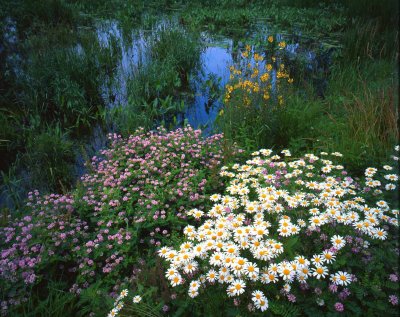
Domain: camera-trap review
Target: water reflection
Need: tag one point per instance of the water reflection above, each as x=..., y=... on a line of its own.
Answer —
x=131, y=47
x=215, y=62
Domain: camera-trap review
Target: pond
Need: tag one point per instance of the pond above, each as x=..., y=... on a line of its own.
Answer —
x=218, y=53
x=306, y=57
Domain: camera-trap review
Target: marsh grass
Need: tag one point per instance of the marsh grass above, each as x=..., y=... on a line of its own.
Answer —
x=57, y=84
x=156, y=85
x=358, y=116
x=363, y=110
x=63, y=84
x=369, y=40
x=10, y=188
x=162, y=111
x=54, y=300
x=178, y=48
x=56, y=96
x=49, y=159
x=156, y=79
x=251, y=128
x=174, y=54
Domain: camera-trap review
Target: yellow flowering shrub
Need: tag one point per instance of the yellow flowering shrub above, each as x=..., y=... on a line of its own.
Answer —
x=254, y=97
x=254, y=80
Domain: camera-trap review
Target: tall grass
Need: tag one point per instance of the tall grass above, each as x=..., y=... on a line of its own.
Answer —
x=54, y=301
x=358, y=117
x=363, y=105
x=174, y=54
x=177, y=47
x=62, y=84
x=32, y=14
x=369, y=40
x=49, y=160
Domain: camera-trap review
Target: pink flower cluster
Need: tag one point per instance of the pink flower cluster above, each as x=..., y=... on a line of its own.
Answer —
x=45, y=235
x=151, y=172
x=137, y=188
x=136, y=193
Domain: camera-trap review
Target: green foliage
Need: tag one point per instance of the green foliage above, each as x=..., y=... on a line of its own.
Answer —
x=10, y=187
x=284, y=310
x=95, y=300
x=49, y=158
x=174, y=55
x=358, y=116
x=62, y=85
x=28, y=14
x=155, y=80
x=130, y=117
x=178, y=48
x=55, y=301
x=362, y=107
x=369, y=40
x=235, y=18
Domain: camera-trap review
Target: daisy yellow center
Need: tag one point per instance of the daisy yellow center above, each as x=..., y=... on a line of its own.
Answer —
x=286, y=271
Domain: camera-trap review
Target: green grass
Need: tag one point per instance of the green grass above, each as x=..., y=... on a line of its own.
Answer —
x=49, y=159
x=358, y=116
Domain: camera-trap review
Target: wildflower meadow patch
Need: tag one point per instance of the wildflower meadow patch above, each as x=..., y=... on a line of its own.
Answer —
x=133, y=199
x=159, y=216
x=298, y=231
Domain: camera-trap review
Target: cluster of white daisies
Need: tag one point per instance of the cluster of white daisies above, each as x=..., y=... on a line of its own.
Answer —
x=119, y=302
x=269, y=203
